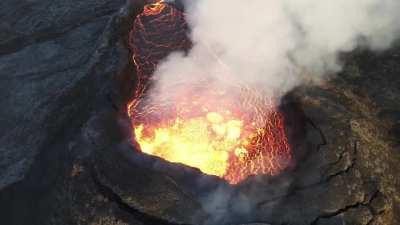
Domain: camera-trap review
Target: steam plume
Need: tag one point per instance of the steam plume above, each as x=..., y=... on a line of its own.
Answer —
x=277, y=44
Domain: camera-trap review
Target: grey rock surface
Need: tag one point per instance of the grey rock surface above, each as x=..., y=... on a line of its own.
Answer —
x=47, y=48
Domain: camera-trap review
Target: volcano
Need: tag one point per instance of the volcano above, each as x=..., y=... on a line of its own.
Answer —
x=87, y=138
x=232, y=131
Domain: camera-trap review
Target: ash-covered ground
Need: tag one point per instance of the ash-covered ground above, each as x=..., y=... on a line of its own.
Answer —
x=66, y=75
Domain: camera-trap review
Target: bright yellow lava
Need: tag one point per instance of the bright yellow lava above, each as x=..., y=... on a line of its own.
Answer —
x=201, y=142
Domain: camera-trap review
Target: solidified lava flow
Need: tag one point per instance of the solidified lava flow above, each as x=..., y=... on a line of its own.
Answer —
x=232, y=131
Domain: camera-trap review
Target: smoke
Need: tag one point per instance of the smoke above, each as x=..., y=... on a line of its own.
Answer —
x=276, y=45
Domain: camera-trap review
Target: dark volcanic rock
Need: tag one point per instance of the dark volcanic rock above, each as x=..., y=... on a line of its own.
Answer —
x=66, y=75
x=56, y=58
x=48, y=51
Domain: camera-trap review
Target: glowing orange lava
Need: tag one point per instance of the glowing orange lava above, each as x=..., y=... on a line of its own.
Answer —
x=154, y=8
x=232, y=132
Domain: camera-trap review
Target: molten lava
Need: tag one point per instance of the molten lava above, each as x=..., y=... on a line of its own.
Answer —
x=232, y=132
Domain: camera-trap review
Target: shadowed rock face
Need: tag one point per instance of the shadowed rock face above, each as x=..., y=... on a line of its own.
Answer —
x=49, y=51
x=66, y=76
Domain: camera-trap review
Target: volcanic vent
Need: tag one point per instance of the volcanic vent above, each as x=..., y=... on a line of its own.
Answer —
x=221, y=126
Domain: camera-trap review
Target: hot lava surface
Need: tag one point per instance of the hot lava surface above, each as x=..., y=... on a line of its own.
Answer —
x=233, y=131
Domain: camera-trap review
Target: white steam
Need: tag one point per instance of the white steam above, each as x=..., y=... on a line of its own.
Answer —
x=277, y=44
